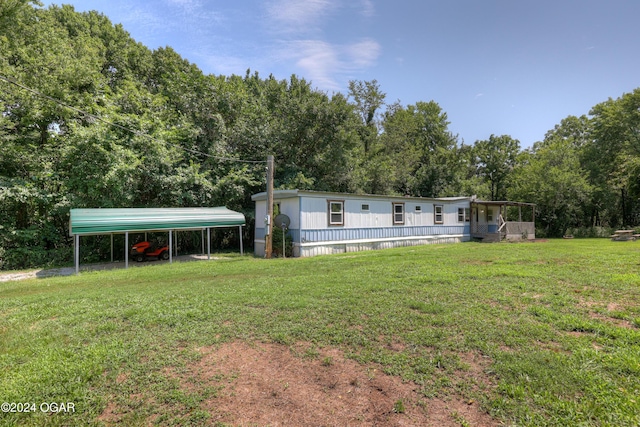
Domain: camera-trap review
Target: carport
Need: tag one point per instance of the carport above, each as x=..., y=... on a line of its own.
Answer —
x=91, y=222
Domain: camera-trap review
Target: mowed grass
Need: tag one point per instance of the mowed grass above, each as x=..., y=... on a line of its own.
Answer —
x=557, y=324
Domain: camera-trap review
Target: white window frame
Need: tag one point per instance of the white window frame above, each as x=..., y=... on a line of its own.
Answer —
x=464, y=215
x=397, y=220
x=418, y=208
x=331, y=213
x=438, y=214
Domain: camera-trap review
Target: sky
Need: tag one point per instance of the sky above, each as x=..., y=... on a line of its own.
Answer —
x=503, y=67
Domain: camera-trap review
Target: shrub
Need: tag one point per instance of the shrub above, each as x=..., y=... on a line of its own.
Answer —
x=277, y=243
x=590, y=232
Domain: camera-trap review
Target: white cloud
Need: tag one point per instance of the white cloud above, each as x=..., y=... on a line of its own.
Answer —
x=302, y=27
x=226, y=64
x=363, y=54
x=297, y=16
x=316, y=60
x=194, y=14
x=327, y=64
x=306, y=16
x=368, y=9
x=149, y=23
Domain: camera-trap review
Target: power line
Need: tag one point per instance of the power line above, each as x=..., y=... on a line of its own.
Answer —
x=133, y=131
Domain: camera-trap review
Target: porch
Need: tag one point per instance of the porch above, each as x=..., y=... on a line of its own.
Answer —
x=491, y=221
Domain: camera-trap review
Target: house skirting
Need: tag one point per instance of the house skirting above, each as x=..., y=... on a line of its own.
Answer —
x=308, y=249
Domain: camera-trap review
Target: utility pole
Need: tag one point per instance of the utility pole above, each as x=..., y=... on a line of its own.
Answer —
x=268, y=238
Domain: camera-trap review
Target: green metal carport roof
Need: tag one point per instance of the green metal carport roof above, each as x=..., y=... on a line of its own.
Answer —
x=85, y=222
x=105, y=221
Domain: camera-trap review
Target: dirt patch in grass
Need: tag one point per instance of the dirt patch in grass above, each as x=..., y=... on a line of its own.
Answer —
x=392, y=343
x=109, y=414
x=612, y=306
x=273, y=384
x=611, y=316
x=621, y=323
x=476, y=375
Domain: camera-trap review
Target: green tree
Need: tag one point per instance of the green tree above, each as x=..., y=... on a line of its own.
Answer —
x=368, y=99
x=550, y=175
x=470, y=183
x=495, y=159
x=613, y=155
x=41, y=53
x=422, y=151
x=9, y=10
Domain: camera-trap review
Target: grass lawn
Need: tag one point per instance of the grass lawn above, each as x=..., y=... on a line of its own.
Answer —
x=558, y=323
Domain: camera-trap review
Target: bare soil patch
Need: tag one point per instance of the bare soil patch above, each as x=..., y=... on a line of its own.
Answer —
x=275, y=385
x=609, y=316
x=621, y=323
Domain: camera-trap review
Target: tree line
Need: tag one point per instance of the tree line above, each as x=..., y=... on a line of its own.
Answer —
x=92, y=118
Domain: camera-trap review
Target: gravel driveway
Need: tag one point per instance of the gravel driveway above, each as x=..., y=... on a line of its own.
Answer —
x=68, y=271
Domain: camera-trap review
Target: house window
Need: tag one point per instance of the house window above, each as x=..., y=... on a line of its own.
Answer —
x=364, y=207
x=438, y=217
x=398, y=213
x=336, y=212
x=418, y=208
x=463, y=215
x=489, y=215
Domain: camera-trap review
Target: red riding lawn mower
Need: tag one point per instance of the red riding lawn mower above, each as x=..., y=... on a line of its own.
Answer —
x=144, y=250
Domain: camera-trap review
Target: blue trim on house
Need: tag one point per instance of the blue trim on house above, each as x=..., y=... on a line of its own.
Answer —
x=493, y=228
x=337, y=234
x=294, y=233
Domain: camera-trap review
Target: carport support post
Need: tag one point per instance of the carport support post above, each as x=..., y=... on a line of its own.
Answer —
x=126, y=249
x=241, y=251
x=111, y=247
x=170, y=246
x=77, y=252
x=208, y=243
x=202, y=239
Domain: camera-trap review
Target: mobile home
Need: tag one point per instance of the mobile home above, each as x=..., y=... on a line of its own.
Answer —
x=327, y=223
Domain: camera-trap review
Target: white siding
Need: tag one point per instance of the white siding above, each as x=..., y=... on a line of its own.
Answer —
x=424, y=217
x=261, y=212
x=315, y=212
x=258, y=248
x=291, y=208
x=258, y=243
